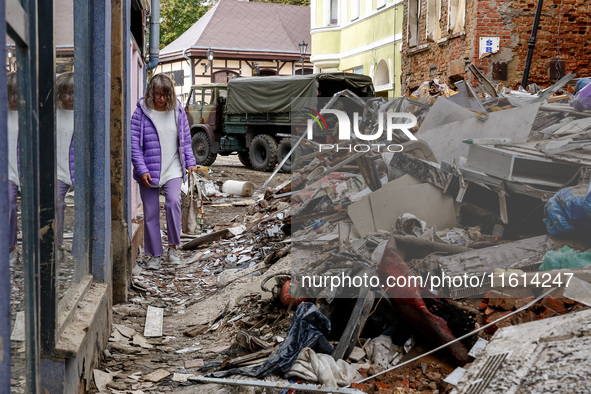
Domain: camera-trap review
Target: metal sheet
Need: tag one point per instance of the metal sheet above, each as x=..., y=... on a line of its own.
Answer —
x=446, y=140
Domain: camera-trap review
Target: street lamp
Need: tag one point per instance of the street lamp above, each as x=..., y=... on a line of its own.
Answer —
x=209, y=55
x=303, y=45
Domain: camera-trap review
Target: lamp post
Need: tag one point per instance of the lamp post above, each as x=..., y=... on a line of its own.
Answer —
x=209, y=55
x=303, y=45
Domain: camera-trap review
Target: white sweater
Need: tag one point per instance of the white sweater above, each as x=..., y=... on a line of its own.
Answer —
x=13, y=147
x=64, y=132
x=165, y=124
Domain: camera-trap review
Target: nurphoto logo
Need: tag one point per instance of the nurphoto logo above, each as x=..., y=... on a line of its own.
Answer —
x=402, y=121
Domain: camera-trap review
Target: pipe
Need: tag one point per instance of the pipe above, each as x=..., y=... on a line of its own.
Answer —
x=531, y=45
x=190, y=61
x=154, y=35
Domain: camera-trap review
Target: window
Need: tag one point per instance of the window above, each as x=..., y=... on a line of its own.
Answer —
x=414, y=10
x=223, y=76
x=334, y=12
x=456, y=16
x=433, y=17
x=357, y=70
x=355, y=9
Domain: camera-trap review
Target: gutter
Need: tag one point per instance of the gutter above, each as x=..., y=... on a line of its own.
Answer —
x=154, y=35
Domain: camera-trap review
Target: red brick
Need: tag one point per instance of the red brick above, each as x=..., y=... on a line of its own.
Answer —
x=506, y=304
x=555, y=304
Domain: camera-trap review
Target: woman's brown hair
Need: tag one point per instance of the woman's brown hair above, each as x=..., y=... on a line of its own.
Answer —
x=63, y=84
x=163, y=82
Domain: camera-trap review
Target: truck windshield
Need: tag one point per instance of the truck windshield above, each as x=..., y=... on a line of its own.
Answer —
x=203, y=97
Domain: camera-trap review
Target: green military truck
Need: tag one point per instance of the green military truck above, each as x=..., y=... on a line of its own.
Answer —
x=253, y=116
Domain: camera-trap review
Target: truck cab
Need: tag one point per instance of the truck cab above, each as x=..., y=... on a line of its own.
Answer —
x=204, y=109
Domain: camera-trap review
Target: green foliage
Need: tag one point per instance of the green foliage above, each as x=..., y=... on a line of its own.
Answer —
x=177, y=16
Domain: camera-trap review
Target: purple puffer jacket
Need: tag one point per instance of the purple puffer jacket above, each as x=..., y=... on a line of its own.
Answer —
x=71, y=160
x=145, y=144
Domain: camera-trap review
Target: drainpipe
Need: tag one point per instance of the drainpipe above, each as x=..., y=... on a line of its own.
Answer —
x=190, y=61
x=531, y=45
x=154, y=35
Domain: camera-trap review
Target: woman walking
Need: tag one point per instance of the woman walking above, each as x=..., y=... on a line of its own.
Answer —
x=161, y=152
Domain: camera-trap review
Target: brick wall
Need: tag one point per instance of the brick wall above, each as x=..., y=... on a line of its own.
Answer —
x=443, y=58
x=449, y=57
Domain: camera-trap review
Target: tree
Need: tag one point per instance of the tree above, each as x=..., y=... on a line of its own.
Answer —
x=178, y=16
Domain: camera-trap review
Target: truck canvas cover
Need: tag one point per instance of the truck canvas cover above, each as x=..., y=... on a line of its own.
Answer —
x=254, y=95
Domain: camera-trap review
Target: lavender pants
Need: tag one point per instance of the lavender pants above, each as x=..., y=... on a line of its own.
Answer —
x=12, y=190
x=172, y=207
x=62, y=189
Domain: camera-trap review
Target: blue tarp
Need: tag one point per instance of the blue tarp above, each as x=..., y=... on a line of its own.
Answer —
x=569, y=211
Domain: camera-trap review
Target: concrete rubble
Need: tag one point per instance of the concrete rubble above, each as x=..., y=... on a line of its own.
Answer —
x=464, y=201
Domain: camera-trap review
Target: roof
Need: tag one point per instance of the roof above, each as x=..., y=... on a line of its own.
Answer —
x=242, y=26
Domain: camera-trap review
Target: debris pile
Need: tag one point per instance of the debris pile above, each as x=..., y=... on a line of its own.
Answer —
x=377, y=270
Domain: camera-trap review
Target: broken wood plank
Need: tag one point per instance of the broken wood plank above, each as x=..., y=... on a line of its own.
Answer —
x=18, y=333
x=195, y=363
x=193, y=332
x=355, y=325
x=154, y=320
x=156, y=376
x=249, y=357
x=207, y=238
x=243, y=203
x=558, y=98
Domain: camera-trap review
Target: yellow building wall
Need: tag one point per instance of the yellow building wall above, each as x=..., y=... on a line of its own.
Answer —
x=363, y=42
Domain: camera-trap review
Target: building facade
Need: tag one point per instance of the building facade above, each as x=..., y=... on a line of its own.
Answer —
x=443, y=38
x=56, y=302
x=242, y=39
x=359, y=36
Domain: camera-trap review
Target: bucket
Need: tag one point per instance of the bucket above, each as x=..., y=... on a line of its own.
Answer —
x=238, y=188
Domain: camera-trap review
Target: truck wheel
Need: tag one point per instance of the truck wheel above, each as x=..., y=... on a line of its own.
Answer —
x=263, y=153
x=244, y=158
x=282, y=150
x=202, y=149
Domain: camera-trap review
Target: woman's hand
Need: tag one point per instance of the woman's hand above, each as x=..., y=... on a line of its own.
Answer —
x=191, y=169
x=146, y=179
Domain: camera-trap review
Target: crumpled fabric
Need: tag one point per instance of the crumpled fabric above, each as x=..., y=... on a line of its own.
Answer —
x=323, y=369
x=582, y=98
x=308, y=329
x=382, y=353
